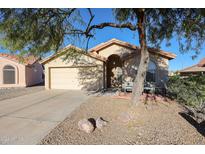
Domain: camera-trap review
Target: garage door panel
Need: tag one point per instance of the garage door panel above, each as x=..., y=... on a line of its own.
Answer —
x=65, y=78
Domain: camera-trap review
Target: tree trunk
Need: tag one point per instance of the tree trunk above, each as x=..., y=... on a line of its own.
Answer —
x=138, y=86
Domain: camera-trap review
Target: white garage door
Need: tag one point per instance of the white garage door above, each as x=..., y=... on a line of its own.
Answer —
x=64, y=78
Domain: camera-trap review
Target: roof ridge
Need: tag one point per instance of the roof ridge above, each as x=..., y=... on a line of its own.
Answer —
x=188, y=68
x=28, y=60
x=93, y=55
x=201, y=62
x=103, y=45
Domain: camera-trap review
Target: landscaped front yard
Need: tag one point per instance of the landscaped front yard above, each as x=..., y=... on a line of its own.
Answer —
x=157, y=122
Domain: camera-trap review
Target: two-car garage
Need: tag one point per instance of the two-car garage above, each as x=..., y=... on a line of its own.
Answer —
x=87, y=73
x=64, y=78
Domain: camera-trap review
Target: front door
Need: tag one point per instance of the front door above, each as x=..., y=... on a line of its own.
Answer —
x=114, y=67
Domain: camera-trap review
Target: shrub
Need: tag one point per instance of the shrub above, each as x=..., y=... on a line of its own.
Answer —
x=188, y=90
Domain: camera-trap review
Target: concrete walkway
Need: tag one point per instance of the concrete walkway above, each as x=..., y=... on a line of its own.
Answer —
x=27, y=119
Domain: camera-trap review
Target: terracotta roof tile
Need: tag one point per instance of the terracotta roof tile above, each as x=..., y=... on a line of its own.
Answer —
x=128, y=45
x=25, y=60
x=201, y=63
x=195, y=68
x=192, y=69
x=93, y=55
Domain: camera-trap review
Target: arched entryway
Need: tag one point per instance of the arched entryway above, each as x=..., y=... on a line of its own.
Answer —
x=114, y=69
x=9, y=74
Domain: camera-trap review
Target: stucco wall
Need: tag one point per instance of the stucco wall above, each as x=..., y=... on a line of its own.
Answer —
x=34, y=74
x=134, y=60
x=90, y=77
x=161, y=72
x=115, y=49
x=19, y=73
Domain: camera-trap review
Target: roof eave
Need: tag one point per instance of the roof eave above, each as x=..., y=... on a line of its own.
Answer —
x=44, y=61
x=100, y=47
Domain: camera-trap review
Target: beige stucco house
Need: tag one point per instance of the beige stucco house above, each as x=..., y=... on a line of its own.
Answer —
x=101, y=66
x=19, y=72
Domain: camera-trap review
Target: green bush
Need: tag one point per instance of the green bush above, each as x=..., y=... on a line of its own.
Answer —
x=187, y=90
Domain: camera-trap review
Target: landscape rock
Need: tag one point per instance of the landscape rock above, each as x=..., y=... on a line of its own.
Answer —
x=100, y=122
x=162, y=126
x=86, y=126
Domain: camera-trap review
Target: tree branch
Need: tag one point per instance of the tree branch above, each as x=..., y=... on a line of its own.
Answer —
x=109, y=24
x=89, y=28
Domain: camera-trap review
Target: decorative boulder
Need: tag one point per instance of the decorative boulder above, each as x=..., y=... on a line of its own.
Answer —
x=86, y=126
x=100, y=123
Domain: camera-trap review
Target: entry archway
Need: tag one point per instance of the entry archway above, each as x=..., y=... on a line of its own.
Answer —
x=114, y=63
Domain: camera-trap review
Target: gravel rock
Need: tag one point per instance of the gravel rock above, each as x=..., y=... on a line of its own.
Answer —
x=86, y=126
x=125, y=117
x=100, y=123
x=161, y=125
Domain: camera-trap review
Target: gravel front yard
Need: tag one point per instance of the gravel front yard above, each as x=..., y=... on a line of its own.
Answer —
x=6, y=93
x=151, y=123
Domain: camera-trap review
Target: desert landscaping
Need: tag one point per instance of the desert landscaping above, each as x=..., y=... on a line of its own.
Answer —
x=102, y=76
x=154, y=121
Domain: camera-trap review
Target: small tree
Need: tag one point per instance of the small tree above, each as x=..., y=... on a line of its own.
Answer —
x=40, y=30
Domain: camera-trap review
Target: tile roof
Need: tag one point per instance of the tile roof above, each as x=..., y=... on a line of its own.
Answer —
x=101, y=46
x=24, y=60
x=200, y=67
x=93, y=51
x=201, y=63
x=92, y=55
x=194, y=68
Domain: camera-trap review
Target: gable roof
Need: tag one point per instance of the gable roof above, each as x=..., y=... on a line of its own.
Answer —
x=101, y=46
x=23, y=60
x=192, y=69
x=195, y=68
x=64, y=50
x=201, y=63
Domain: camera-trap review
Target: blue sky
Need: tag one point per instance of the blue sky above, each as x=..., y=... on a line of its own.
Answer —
x=103, y=35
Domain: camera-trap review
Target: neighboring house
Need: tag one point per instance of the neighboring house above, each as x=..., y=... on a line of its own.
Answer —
x=172, y=73
x=99, y=68
x=19, y=72
x=195, y=69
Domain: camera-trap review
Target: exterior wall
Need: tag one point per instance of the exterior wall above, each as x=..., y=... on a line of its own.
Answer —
x=130, y=67
x=34, y=74
x=19, y=73
x=161, y=63
x=90, y=77
x=115, y=49
x=130, y=64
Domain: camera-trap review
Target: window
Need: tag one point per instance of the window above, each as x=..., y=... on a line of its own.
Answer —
x=9, y=74
x=151, y=72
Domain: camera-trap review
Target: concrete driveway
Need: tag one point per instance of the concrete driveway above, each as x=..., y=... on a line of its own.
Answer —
x=27, y=119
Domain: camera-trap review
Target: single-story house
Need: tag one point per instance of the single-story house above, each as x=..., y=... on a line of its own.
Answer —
x=101, y=66
x=19, y=72
x=195, y=69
